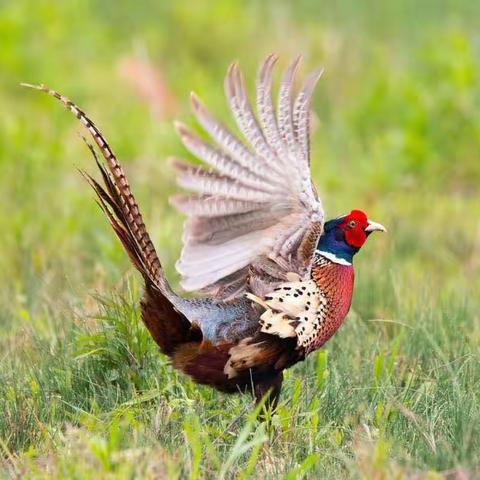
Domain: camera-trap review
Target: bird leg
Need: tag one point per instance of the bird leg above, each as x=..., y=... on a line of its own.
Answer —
x=271, y=389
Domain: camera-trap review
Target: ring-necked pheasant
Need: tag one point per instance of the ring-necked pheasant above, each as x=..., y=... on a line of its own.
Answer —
x=276, y=281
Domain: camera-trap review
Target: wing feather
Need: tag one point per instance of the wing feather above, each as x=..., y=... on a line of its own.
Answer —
x=217, y=230
x=285, y=114
x=256, y=205
x=301, y=114
x=219, y=160
x=248, y=124
x=209, y=206
x=226, y=140
x=266, y=111
x=199, y=180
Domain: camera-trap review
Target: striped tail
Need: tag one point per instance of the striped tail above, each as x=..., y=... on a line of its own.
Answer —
x=118, y=202
x=163, y=312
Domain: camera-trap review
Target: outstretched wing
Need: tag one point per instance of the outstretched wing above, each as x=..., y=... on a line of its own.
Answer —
x=256, y=203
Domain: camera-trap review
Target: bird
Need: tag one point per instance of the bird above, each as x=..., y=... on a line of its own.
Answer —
x=273, y=279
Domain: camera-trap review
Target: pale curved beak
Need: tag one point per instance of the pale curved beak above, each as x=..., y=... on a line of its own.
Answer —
x=375, y=227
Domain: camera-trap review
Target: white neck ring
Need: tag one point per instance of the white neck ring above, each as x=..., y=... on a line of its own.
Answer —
x=331, y=256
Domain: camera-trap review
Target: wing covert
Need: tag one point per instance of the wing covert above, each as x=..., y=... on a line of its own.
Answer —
x=253, y=202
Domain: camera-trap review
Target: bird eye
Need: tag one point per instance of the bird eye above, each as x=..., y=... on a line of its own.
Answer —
x=352, y=224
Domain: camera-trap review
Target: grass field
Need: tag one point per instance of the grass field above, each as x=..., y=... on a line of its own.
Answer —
x=83, y=391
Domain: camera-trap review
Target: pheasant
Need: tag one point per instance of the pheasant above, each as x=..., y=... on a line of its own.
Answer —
x=274, y=280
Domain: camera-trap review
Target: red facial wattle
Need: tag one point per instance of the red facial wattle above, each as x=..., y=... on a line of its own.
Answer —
x=353, y=226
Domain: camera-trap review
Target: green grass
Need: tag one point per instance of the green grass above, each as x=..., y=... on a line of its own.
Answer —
x=83, y=392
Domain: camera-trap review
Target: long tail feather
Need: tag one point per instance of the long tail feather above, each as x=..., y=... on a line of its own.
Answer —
x=118, y=203
x=162, y=309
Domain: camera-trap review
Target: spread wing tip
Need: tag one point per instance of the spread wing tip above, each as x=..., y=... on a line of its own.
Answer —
x=247, y=180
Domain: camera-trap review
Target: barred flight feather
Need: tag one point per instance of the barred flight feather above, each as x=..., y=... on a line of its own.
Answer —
x=246, y=121
x=208, y=206
x=285, y=120
x=209, y=255
x=219, y=160
x=203, y=181
x=266, y=112
x=258, y=203
x=301, y=114
x=226, y=140
x=217, y=230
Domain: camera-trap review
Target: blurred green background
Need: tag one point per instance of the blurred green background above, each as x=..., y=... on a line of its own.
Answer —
x=396, y=133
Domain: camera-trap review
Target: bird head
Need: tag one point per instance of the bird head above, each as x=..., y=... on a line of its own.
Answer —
x=343, y=237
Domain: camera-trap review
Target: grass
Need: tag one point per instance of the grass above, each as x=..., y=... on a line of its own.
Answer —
x=83, y=392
